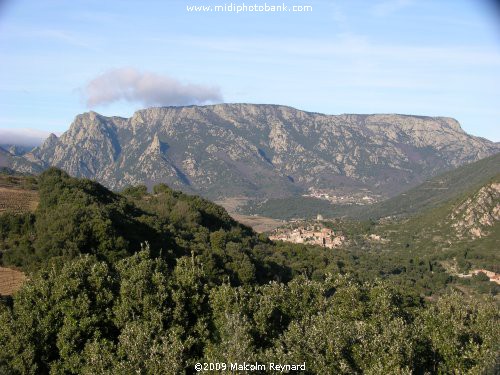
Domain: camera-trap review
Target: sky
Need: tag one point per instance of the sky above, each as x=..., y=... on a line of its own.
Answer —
x=59, y=58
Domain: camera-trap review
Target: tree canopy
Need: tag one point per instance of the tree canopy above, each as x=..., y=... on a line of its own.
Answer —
x=156, y=282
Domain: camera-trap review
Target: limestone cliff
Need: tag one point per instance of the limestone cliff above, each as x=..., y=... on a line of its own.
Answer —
x=260, y=150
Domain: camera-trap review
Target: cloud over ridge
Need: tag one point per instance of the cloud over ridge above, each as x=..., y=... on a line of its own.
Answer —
x=23, y=136
x=147, y=88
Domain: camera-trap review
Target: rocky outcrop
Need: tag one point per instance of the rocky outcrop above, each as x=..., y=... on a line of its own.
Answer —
x=18, y=163
x=477, y=214
x=260, y=150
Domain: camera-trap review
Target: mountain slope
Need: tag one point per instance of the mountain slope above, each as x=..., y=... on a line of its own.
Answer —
x=78, y=216
x=475, y=217
x=261, y=150
x=467, y=217
x=466, y=228
x=432, y=193
x=435, y=191
x=18, y=163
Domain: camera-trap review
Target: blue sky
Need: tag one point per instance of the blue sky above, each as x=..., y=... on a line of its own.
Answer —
x=422, y=57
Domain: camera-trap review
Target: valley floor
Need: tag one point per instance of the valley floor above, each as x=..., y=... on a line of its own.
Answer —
x=258, y=223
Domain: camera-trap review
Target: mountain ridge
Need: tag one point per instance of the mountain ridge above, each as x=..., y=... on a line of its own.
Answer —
x=18, y=163
x=260, y=150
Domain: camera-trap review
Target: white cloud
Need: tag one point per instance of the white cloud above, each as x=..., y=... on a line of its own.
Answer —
x=147, y=88
x=23, y=137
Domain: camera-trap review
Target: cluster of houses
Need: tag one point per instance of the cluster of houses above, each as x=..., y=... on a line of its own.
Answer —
x=310, y=234
x=493, y=276
x=357, y=198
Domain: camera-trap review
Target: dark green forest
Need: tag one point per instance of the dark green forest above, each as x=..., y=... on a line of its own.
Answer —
x=154, y=282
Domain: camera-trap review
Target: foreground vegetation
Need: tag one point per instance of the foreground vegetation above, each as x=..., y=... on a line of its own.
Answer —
x=156, y=282
x=139, y=315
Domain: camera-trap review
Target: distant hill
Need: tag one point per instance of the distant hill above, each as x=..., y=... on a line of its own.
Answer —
x=478, y=215
x=431, y=193
x=465, y=229
x=435, y=191
x=78, y=216
x=264, y=151
x=17, y=150
x=18, y=163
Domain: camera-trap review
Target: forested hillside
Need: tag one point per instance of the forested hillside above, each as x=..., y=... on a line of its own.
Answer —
x=435, y=191
x=156, y=282
x=430, y=194
x=78, y=216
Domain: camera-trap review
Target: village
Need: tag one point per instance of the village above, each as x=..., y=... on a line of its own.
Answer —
x=492, y=276
x=310, y=233
x=363, y=197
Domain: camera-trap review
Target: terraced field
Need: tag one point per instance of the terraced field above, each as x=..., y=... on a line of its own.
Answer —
x=10, y=281
x=17, y=200
x=17, y=194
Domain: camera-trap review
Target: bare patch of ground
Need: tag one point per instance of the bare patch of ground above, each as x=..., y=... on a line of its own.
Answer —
x=10, y=281
x=257, y=223
x=17, y=200
x=231, y=204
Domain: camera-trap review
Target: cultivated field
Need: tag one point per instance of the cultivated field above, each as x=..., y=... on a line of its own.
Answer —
x=257, y=223
x=17, y=200
x=10, y=281
x=17, y=194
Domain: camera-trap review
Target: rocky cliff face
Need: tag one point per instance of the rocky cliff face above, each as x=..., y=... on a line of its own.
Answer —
x=260, y=150
x=476, y=216
x=14, y=162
